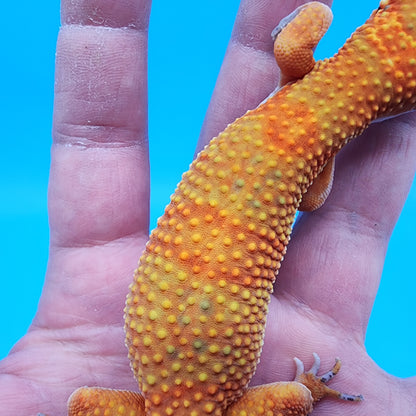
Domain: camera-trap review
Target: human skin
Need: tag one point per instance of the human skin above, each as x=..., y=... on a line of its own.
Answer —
x=98, y=206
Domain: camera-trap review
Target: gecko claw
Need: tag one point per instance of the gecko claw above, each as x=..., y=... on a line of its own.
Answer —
x=317, y=384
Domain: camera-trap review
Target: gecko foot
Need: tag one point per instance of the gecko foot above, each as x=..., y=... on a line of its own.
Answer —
x=317, y=384
x=296, y=37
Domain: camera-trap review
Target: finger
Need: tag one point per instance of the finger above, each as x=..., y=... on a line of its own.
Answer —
x=335, y=260
x=99, y=178
x=99, y=171
x=249, y=72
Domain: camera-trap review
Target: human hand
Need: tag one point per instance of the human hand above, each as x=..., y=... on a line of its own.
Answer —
x=99, y=221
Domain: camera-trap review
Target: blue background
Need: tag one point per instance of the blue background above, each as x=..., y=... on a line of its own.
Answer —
x=28, y=34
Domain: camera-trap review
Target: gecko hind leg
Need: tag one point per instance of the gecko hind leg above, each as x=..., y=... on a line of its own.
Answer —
x=96, y=401
x=317, y=384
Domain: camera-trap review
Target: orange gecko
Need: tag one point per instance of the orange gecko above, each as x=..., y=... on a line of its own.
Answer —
x=196, y=312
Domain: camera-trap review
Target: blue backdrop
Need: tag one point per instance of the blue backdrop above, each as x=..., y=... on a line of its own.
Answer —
x=29, y=31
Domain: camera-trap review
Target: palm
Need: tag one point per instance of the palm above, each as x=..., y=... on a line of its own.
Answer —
x=99, y=220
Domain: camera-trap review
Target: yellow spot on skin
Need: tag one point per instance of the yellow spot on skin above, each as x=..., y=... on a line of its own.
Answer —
x=181, y=276
x=212, y=333
x=221, y=258
x=234, y=306
x=158, y=358
x=153, y=315
x=194, y=222
x=252, y=247
x=229, y=332
x=151, y=380
x=208, y=289
x=161, y=333
x=196, y=238
x=213, y=349
x=219, y=318
x=147, y=341
x=144, y=359
x=227, y=241
x=245, y=294
x=140, y=311
x=237, y=255
x=176, y=367
x=191, y=299
x=203, y=358
x=203, y=377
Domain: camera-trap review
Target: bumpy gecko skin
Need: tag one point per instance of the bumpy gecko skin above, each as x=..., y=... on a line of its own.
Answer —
x=196, y=311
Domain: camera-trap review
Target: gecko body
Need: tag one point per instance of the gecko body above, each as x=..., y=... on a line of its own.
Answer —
x=196, y=311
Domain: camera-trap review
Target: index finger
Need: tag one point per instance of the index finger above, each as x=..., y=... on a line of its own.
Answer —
x=99, y=171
